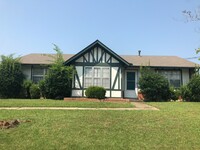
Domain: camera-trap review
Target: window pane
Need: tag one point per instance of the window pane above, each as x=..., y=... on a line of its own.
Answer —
x=88, y=71
x=175, y=83
x=174, y=77
x=97, y=81
x=106, y=72
x=97, y=72
x=106, y=82
x=130, y=75
x=38, y=71
x=88, y=82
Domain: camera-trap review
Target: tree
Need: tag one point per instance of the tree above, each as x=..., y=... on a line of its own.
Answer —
x=191, y=17
x=58, y=81
x=154, y=86
x=11, y=77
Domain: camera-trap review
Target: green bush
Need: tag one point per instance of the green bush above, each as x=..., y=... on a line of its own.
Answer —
x=154, y=86
x=185, y=93
x=42, y=88
x=26, y=88
x=58, y=82
x=174, y=93
x=11, y=77
x=194, y=89
x=95, y=92
x=35, y=91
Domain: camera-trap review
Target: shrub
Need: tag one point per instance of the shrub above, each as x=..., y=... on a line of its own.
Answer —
x=26, y=88
x=95, y=92
x=58, y=82
x=194, y=89
x=174, y=93
x=42, y=88
x=11, y=77
x=154, y=86
x=185, y=93
x=35, y=91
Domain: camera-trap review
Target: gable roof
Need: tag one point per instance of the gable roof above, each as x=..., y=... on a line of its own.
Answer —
x=153, y=61
x=128, y=60
x=97, y=43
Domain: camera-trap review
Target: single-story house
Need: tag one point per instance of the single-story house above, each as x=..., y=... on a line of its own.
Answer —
x=119, y=74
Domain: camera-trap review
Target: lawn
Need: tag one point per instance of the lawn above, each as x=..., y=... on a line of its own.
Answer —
x=175, y=126
x=60, y=103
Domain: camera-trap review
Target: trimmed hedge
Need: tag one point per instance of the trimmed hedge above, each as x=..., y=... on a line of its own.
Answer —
x=95, y=92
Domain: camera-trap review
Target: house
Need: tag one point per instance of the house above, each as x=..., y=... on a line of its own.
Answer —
x=119, y=74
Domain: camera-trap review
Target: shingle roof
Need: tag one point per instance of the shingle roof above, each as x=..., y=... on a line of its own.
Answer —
x=43, y=59
x=153, y=61
x=158, y=61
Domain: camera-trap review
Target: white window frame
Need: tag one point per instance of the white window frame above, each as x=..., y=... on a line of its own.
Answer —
x=93, y=77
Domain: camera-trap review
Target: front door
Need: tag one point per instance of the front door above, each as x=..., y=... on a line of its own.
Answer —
x=130, y=84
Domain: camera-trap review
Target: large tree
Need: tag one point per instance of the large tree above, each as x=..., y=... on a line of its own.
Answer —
x=11, y=77
x=58, y=81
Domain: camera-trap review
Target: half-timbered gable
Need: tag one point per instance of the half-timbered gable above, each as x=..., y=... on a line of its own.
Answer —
x=97, y=65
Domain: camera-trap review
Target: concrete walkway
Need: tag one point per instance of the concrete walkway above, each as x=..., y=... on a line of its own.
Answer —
x=143, y=106
x=138, y=106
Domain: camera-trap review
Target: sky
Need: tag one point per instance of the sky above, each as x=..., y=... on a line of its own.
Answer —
x=156, y=27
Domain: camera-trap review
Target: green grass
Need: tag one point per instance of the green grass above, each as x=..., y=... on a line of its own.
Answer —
x=60, y=103
x=175, y=126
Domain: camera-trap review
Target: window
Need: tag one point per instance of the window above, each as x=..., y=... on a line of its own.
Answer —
x=38, y=74
x=88, y=76
x=97, y=76
x=174, y=77
x=106, y=77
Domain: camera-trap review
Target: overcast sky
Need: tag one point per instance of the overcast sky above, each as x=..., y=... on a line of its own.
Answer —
x=157, y=27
